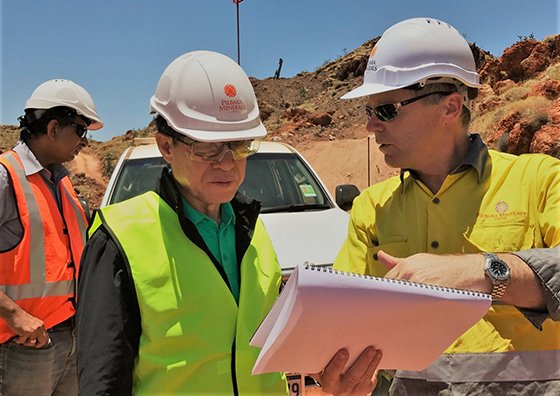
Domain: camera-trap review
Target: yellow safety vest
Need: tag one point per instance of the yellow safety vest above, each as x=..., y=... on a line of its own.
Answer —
x=195, y=338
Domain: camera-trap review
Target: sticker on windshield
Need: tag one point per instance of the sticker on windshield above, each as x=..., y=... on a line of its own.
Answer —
x=307, y=190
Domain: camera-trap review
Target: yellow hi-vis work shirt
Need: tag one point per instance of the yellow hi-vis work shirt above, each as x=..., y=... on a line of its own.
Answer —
x=514, y=204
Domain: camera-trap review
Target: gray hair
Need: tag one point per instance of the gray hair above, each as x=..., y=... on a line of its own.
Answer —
x=450, y=85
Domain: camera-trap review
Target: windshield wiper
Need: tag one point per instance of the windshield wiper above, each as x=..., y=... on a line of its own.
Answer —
x=295, y=208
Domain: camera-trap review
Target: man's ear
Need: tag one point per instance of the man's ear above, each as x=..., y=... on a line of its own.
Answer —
x=453, y=106
x=164, y=143
x=52, y=128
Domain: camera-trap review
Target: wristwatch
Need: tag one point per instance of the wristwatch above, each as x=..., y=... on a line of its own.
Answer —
x=499, y=273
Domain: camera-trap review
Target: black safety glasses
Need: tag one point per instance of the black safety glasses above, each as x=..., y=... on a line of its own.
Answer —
x=388, y=111
x=81, y=130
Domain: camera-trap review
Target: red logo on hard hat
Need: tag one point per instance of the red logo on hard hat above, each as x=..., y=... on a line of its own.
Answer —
x=230, y=90
x=373, y=51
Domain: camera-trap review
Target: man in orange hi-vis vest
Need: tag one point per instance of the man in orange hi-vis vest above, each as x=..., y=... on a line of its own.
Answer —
x=43, y=233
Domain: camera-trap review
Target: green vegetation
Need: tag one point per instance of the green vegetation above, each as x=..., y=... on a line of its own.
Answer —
x=531, y=36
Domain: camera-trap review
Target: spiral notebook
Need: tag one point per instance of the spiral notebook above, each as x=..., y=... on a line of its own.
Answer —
x=321, y=310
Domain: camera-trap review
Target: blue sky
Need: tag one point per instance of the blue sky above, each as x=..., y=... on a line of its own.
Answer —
x=118, y=49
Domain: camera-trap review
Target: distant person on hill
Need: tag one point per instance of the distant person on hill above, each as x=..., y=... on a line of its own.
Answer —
x=468, y=207
x=277, y=72
x=43, y=233
x=175, y=282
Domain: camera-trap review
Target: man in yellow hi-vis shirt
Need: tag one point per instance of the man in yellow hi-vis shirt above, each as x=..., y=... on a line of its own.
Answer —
x=454, y=200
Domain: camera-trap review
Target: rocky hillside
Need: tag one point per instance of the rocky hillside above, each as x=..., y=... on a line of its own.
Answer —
x=518, y=110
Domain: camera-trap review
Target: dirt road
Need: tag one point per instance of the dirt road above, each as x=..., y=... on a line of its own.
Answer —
x=345, y=162
x=90, y=165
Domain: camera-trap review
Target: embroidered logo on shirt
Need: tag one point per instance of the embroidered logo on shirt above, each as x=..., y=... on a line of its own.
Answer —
x=502, y=207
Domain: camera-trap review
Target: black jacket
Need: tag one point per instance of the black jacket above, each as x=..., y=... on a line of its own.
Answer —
x=108, y=318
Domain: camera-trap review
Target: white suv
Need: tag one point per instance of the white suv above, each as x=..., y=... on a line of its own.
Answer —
x=303, y=221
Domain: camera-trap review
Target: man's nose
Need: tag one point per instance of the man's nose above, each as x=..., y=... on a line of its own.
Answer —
x=374, y=125
x=227, y=162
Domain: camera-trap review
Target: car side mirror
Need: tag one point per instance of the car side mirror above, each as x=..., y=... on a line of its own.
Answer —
x=345, y=194
x=85, y=205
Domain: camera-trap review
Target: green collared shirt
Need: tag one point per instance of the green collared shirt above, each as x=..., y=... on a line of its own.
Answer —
x=220, y=239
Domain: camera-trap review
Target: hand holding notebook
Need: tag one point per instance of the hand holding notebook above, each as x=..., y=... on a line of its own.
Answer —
x=321, y=310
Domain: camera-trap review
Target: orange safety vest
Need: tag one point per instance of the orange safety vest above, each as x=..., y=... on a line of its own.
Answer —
x=40, y=272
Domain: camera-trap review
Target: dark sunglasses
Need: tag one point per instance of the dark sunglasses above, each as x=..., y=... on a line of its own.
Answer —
x=388, y=111
x=81, y=130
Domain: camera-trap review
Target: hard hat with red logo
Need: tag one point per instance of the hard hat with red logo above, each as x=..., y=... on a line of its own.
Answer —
x=414, y=51
x=60, y=92
x=208, y=97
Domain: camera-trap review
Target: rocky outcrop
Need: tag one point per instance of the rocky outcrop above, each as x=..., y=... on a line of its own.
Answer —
x=522, y=61
x=550, y=89
x=321, y=118
x=534, y=126
x=518, y=134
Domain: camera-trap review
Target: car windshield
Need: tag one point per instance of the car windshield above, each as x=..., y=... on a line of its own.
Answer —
x=280, y=181
x=283, y=183
x=136, y=177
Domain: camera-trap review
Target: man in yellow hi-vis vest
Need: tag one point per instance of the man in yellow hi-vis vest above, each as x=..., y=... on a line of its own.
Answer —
x=455, y=213
x=175, y=282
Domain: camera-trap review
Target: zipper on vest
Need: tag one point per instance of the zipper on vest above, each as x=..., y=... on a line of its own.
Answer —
x=233, y=371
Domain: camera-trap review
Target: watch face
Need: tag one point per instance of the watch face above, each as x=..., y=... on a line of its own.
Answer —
x=499, y=270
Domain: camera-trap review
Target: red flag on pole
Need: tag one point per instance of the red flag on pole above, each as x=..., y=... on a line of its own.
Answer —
x=237, y=1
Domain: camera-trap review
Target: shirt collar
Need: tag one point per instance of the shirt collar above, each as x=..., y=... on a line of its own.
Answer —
x=226, y=214
x=31, y=165
x=476, y=158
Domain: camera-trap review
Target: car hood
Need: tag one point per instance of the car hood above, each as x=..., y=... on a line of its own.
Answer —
x=314, y=236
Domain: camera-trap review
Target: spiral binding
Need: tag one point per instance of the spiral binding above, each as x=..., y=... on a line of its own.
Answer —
x=314, y=267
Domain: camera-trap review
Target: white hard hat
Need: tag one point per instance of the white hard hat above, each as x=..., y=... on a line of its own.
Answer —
x=414, y=50
x=208, y=97
x=59, y=92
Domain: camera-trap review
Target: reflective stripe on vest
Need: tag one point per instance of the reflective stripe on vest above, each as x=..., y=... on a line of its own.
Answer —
x=77, y=215
x=495, y=367
x=38, y=286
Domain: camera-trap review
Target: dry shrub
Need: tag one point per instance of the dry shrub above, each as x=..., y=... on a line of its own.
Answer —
x=529, y=84
x=483, y=124
x=9, y=135
x=552, y=72
x=516, y=93
x=532, y=109
x=309, y=107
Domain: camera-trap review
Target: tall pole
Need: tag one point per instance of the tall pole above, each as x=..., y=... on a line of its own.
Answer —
x=238, y=56
x=368, y=163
